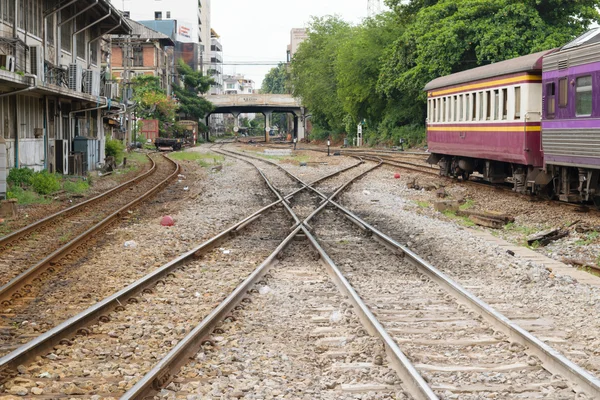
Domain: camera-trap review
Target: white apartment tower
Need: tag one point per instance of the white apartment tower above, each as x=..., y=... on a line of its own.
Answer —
x=192, y=17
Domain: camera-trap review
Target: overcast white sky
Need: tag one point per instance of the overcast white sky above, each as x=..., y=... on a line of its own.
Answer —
x=259, y=30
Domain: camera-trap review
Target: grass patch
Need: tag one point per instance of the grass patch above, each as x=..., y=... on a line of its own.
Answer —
x=26, y=197
x=524, y=230
x=464, y=221
x=285, y=159
x=137, y=157
x=469, y=203
x=77, y=187
x=203, y=159
x=590, y=237
x=422, y=204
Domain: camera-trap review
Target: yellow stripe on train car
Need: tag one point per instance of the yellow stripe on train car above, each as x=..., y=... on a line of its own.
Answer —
x=474, y=86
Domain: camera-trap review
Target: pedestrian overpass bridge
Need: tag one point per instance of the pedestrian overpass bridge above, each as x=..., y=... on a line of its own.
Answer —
x=265, y=104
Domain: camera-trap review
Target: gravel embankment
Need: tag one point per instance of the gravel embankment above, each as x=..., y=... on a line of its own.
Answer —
x=117, y=353
x=458, y=355
x=560, y=310
x=297, y=339
x=213, y=201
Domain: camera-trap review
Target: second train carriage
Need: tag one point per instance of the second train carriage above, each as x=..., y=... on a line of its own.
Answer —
x=488, y=120
x=571, y=120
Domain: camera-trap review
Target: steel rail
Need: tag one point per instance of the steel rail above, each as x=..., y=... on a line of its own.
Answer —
x=11, y=288
x=162, y=373
x=413, y=381
x=551, y=359
x=409, y=375
x=6, y=240
x=70, y=327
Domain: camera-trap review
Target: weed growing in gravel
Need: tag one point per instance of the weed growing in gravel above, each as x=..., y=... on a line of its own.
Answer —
x=590, y=237
x=464, y=221
x=535, y=245
x=422, y=204
x=525, y=230
x=203, y=159
x=469, y=203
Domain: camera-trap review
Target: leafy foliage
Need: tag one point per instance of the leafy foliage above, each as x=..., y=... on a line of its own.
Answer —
x=20, y=176
x=114, y=148
x=375, y=72
x=153, y=102
x=44, y=182
x=276, y=81
x=191, y=105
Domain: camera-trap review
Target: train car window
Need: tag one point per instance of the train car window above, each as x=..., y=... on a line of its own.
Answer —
x=455, y=109
x=468, y=106
x=445, y=108
x=488, y=104
x=583, y=96
x=480, y=96
x=439, y=110
x=563, y=92
x=550, y=99
x=518, y=102
x=474, y=111
x=461, y=100
x=496, y=104
x=504, y=103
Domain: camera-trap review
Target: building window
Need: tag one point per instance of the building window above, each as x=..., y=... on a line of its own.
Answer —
x=504, y=103
x=550, y=99
x=168, y=14
x=563, y=92
x=518, y=102
x=583, y=96
x=66, y=31
x=50, y=29
x=230, y=86
x=158, y=15
x=138, y=57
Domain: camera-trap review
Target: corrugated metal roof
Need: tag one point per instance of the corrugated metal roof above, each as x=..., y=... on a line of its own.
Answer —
x=531, y=62
x=591, y=36
x=143, y=32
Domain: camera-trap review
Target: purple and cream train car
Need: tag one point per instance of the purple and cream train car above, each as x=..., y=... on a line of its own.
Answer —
x=571, y=119
x=487, y=121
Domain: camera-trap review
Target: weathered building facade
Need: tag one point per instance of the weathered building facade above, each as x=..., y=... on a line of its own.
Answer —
x=53, y=87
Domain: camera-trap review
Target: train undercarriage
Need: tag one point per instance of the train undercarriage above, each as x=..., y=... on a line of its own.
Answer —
x=567, y=184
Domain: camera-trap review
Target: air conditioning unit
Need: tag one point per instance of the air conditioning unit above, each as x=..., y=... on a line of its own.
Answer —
x=75, y=77
x=36, y=62
x=91, y=82
x=111, y=90
x=116, y=91
x=8, y=62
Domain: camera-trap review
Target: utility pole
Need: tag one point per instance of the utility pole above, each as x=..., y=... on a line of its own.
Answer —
x=373, y=7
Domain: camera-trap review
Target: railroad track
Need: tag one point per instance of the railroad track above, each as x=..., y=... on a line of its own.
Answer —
x=459, y=346
x=177, y=288
x=367, y=298
x=33, y=253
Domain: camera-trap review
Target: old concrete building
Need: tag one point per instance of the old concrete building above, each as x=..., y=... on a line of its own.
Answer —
x=297, y=36
x=191, y=19
x=52, y=85
x=146, y=53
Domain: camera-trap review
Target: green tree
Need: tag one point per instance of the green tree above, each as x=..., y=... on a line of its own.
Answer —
x=276, y=81
x=448, y=36
x=192, y=106
x=313, y=72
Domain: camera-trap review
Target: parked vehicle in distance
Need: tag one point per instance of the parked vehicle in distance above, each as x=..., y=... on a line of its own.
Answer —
x=167, y=144
x=533, y=121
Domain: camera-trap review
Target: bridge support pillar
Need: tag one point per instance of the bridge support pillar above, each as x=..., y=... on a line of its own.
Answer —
x=267, y=115
x=299, y=133
x=236, y=124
